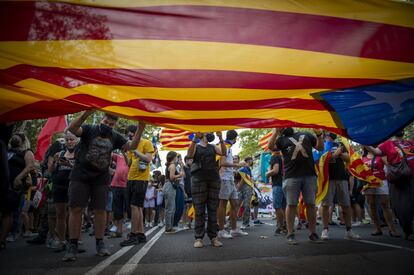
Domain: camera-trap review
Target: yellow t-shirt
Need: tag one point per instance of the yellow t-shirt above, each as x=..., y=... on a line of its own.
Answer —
x=144, y=146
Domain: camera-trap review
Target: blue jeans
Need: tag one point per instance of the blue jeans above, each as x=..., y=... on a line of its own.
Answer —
x=179, y=205
x=279, y=199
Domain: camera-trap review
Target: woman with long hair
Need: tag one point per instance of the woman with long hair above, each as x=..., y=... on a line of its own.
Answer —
x=169, y=190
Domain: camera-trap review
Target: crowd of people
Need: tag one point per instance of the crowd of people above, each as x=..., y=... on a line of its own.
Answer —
x=95, y=175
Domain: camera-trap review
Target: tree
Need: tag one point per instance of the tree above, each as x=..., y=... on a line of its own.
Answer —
x=249, y=142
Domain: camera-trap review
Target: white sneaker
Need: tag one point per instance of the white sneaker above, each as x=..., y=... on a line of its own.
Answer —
x=52, y=243
x=325, y=234
x=238, y=233
x=151, y=224
x=11, y=238
x=146, y=224
x=223, y=234
x=113, y=228
x=356, y=224
x=128, y=225
x=244, y=226
x=186, y=227
x=160, y=224
x=351, y=235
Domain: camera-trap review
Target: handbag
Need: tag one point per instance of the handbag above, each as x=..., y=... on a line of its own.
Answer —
x=400, y=172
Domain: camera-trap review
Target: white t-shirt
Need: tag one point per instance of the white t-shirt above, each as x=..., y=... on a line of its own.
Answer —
x=226, y=173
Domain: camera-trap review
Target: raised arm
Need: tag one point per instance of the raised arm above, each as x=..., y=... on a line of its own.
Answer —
x=192, y=147
x=222, y=150
x=319, y=140
x=374, y=151
x=75, y=126
x=272, y=140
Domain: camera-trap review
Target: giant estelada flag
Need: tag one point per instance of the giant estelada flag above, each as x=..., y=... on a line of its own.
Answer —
x=206, y=65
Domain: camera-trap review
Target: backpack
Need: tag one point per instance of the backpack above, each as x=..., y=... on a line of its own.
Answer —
x=98, y=154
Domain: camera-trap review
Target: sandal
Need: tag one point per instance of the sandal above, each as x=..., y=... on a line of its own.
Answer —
x=376, y=233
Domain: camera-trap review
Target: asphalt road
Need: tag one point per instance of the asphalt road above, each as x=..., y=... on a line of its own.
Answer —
x=258, y=253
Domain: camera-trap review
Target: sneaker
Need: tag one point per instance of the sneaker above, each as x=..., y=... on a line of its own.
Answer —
x=151, y=224
x=351, y=235
x=161, y=224
x=291, y=239
x=101, y=249
x=279, y=231
x=198, y=243
x=131, y=240
x=113, y=228
x=81, y=247
x=142, y=238
x=29, y=234
x=325, y=234
x=52, y=243
x=37, y=240
x=299, y=226
x=258, y=222
x=356, y=224
x=186, y=227
x=365, y=221
x=147, y=224
x=245, y=226
x=128, y=225
x=223, y=234
x=238, y=232
x=216, y=243
x=171, y=231
x=70, y=254
x=11, y=238
x=61, y=247
x=315, y=238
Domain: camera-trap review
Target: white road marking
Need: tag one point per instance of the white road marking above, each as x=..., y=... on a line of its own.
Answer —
x=386, y=245
x=105, y=263
x=132, y=264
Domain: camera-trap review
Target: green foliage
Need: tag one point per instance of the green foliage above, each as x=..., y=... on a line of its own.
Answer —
x=249, y=142
x=32, y=128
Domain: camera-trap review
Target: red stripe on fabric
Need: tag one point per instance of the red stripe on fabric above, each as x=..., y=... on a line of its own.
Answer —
x=44, y=109
x=156, y=106
x=71, y=78
x=64, y=21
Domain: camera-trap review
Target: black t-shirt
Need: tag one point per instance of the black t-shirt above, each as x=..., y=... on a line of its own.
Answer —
x=276, y=179
x=82, y=172
x=62, y=172
x=187, y=180
x=337, y=170
x=297, y=154
x=204, y=165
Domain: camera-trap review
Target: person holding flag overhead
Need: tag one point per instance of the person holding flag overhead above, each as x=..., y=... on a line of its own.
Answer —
x=299, y=174
x=205, y=185
x=338, y=183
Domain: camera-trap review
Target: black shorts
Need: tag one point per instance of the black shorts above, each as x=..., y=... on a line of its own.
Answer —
x=136, y=190
x=358, y=199
x=60, y=193
x=80, y=192
x=9, y=202
x=119, y=202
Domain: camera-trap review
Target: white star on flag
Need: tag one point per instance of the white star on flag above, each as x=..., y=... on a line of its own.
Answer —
x=395, y=100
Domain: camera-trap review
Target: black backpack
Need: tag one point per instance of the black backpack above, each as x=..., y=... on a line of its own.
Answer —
x=98, y=156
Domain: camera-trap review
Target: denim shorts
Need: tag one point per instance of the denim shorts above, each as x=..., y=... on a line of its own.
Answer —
x=108, y=207
x=279, y=199
x=228, y=190
x=294, y=186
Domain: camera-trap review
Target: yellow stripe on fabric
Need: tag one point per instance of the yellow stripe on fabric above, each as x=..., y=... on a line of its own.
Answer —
x=166, y=54
x=390, y=12
x=12, y=99
x=299, y=116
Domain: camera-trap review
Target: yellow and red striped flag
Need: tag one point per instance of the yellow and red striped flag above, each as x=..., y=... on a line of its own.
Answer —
x=263, y=141
x=208, y=65
x=174, y=139
x=359, y=169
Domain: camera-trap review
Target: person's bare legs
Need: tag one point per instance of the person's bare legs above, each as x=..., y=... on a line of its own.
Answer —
x=221, y=213
x=61, y=221
x=290, y=218
x=75, y=219
x=386, y=210
x=233, y=213
x=280, y=217
x=100, y=221
x=137, y=222
x=374, y=214
x=311, y=215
